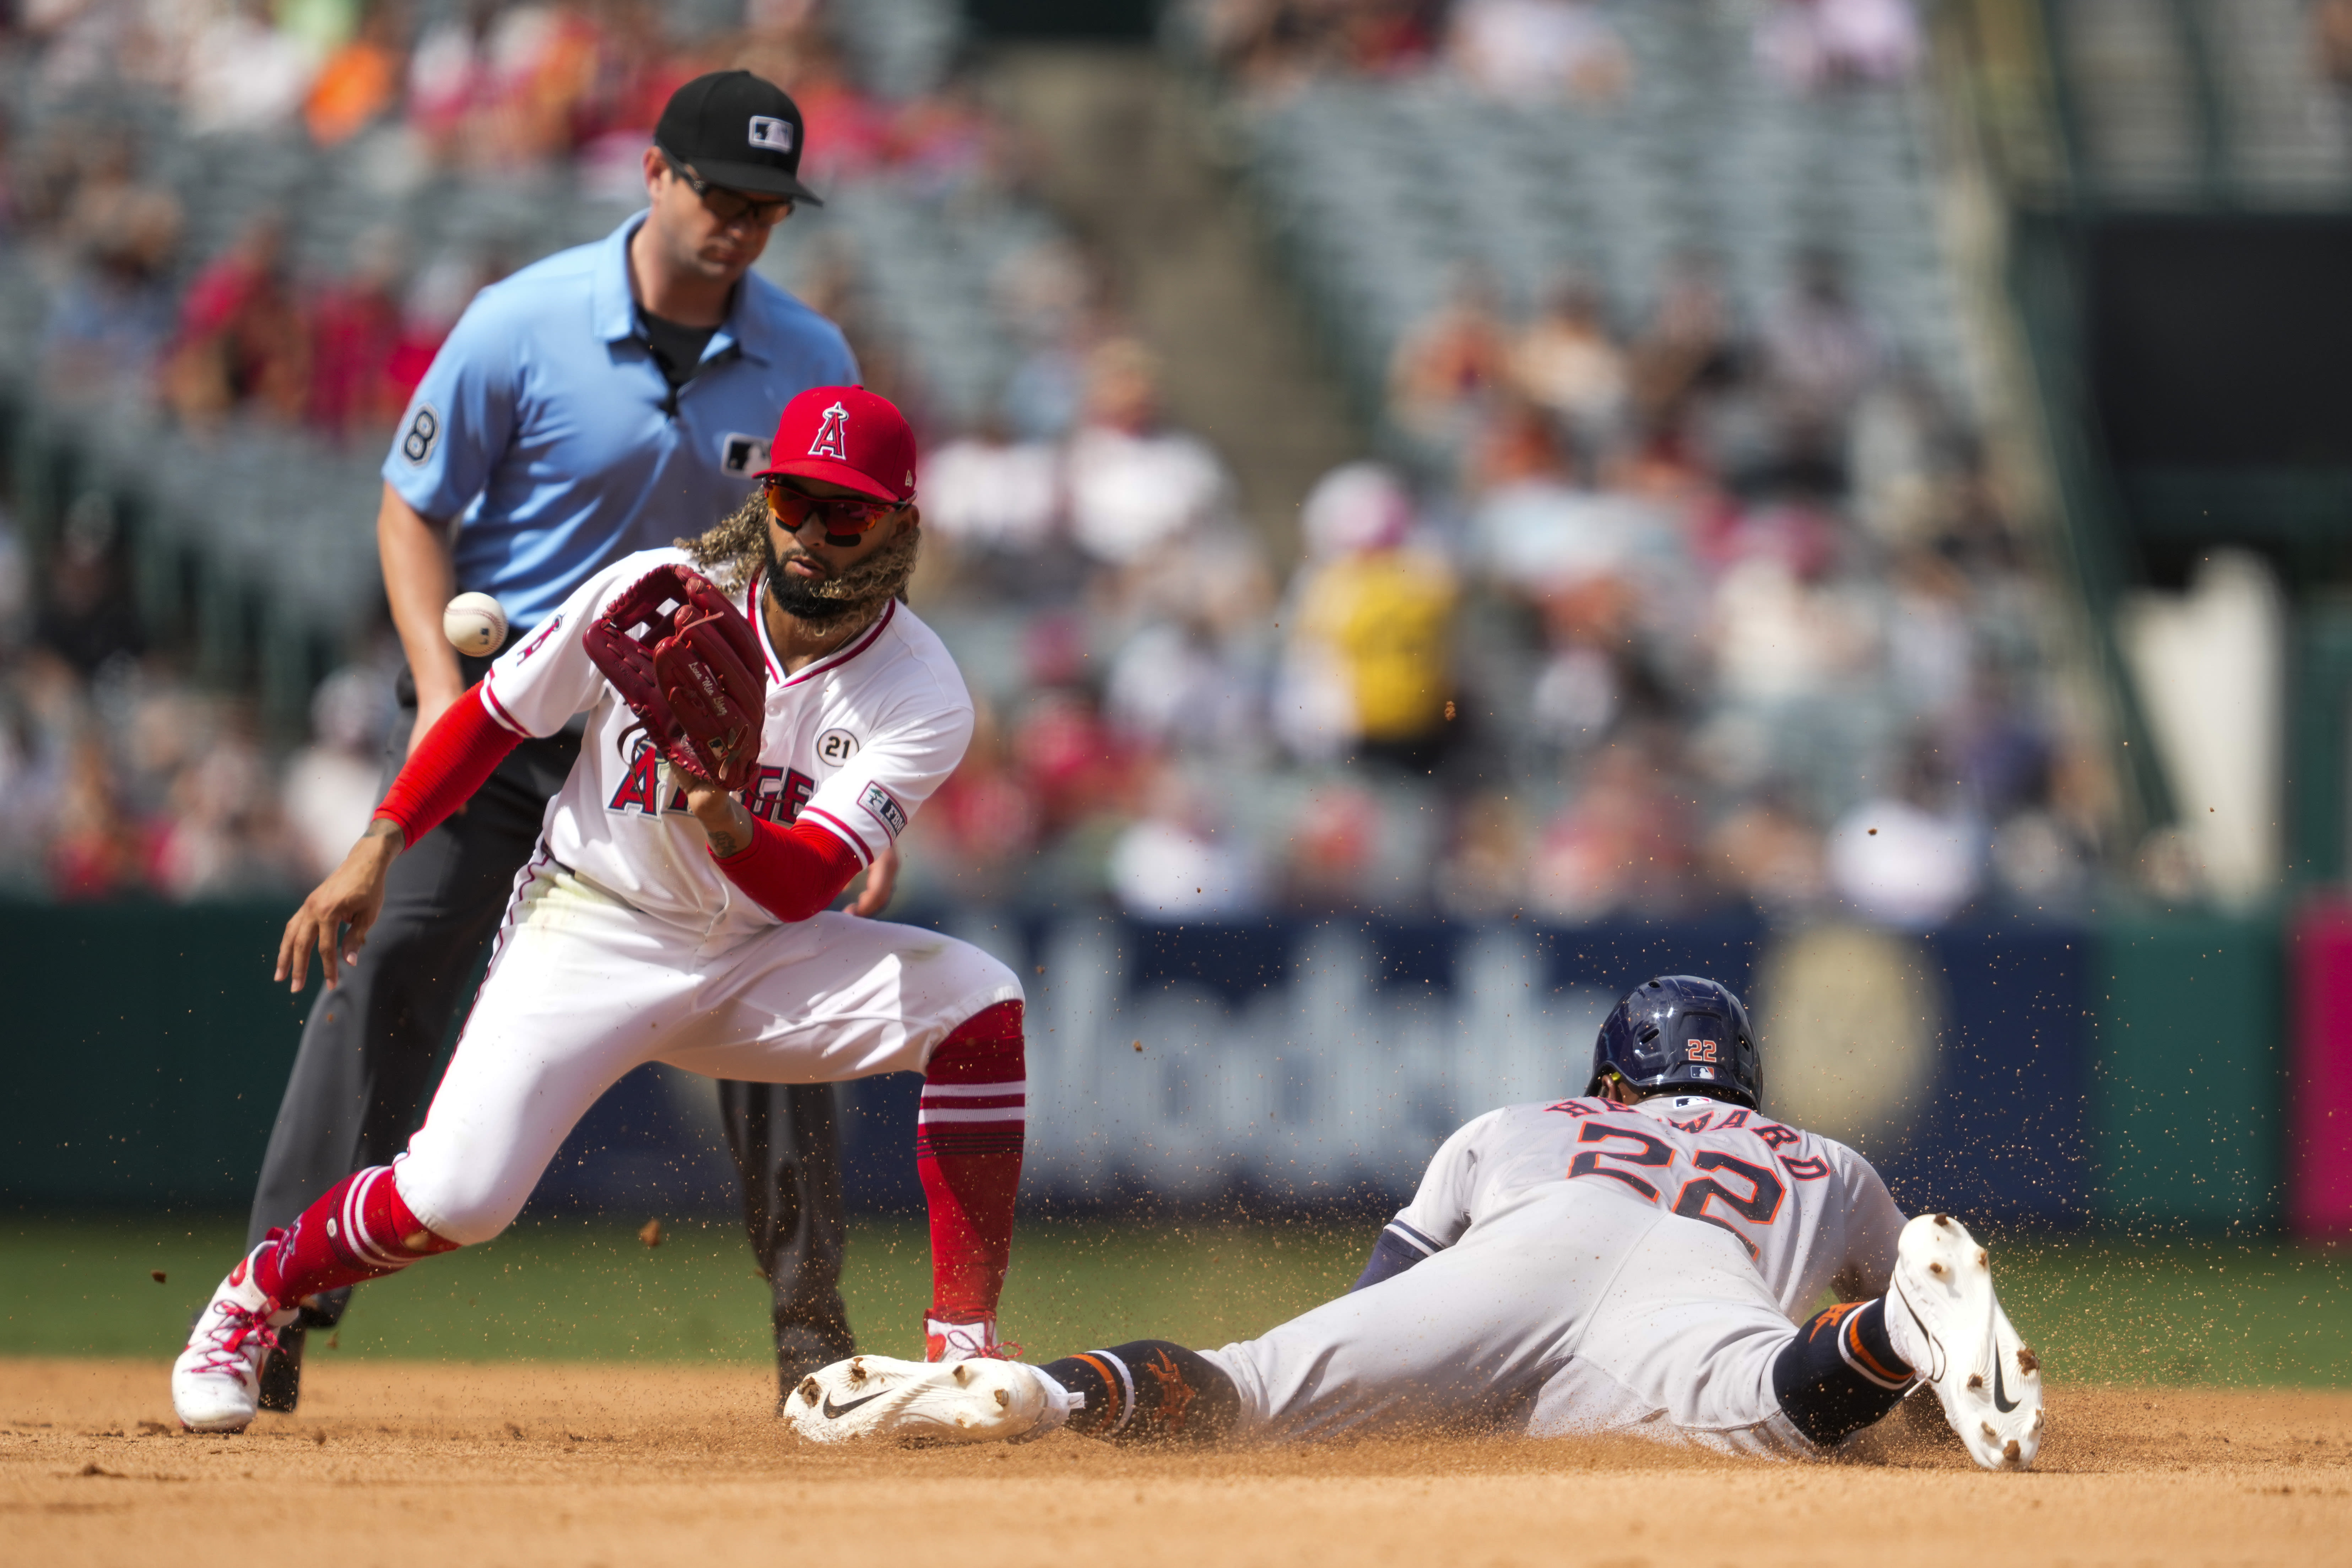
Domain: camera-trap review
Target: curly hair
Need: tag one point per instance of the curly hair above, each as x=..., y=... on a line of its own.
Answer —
x=733, y=551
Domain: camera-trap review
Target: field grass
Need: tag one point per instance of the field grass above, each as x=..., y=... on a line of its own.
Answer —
x=569, y=1289
x=2222, y=1312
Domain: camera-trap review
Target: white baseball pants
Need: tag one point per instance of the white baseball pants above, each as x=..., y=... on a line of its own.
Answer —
x=1575, y=1312
x=582, y=988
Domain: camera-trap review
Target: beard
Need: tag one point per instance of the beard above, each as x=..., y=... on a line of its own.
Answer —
x=822, y=603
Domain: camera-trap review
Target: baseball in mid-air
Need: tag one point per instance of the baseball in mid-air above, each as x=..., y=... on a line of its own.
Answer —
x=474, y=623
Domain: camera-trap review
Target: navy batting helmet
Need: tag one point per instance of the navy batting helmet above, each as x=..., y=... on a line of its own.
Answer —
x=1683, y=1033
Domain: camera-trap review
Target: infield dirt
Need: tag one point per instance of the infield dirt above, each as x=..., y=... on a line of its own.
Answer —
x=594, y=1464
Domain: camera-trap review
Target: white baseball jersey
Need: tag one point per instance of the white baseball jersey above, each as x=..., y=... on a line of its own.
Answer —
x=625, y=943
x=855, y=742
x=1807, y=1209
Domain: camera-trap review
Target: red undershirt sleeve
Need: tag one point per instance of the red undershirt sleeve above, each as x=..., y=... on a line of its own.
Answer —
x=792, y=872
x=461, y=751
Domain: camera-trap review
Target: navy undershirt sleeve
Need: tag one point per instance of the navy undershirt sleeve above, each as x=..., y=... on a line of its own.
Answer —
x=1392, y=1254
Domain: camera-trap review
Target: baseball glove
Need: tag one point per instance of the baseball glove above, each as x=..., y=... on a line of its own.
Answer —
x=688, y=665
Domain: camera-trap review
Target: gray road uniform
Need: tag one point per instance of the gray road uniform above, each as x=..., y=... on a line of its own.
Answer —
x=1585, y=1268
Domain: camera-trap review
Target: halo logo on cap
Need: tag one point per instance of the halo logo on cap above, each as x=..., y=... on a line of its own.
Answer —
x=831, y=435
x=815, y=441
x=774, y=135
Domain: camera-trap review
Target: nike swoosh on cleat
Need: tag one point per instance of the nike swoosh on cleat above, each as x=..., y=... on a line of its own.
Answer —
x=2001, y=1400
x=835, y=1412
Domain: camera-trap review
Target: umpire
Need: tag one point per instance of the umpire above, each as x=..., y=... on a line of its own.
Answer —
x=601, y=401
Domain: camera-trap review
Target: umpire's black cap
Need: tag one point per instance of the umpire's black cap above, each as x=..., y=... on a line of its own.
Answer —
x=739, y=130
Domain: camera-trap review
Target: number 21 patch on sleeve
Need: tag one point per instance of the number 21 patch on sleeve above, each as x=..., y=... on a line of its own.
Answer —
x=884, y=808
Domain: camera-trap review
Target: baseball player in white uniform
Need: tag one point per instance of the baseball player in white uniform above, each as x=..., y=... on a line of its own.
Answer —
x=1643, y=1259
x=666, y=918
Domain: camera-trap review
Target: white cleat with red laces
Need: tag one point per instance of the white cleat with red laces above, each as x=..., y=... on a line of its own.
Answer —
x=970, y=1337
x=216, y=1383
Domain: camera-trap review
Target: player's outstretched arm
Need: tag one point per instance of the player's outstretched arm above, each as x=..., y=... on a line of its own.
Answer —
x=335, y=918
x=791, y=872
x=1440, y=1210
x=463, y=750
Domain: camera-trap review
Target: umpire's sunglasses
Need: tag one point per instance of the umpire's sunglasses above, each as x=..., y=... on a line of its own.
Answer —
x=792, y=507
x=732, y=205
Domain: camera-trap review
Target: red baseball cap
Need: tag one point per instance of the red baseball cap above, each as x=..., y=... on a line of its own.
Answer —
x=845, y=435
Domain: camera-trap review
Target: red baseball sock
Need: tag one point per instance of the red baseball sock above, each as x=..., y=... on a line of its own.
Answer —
x=359, y=1230
x=968, y=1150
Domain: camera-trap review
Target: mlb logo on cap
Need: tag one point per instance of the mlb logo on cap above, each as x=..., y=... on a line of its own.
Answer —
x=847, y=435
x=736, y=130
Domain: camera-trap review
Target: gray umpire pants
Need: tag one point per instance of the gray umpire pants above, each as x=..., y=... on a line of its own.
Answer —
x=372, y=1051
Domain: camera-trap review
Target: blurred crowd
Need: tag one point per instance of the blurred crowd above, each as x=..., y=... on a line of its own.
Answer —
x=123, y=776
x=1532, y=49
x=488, y=89
x=1651, y=612
x=126, y=775
x=1646, y=617
x=1657, y=619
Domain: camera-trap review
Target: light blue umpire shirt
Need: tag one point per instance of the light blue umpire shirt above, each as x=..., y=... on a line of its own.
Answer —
x=546, y=427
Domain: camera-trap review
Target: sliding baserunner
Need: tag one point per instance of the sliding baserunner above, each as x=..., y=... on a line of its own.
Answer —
x=1641, y=1259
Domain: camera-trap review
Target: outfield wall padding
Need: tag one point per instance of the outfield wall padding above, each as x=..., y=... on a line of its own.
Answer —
x=2027, y=1072
x=2189, y=1014
x=147, y=1049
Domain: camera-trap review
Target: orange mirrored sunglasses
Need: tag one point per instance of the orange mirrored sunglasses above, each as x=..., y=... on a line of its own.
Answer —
x=794, y=507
